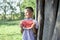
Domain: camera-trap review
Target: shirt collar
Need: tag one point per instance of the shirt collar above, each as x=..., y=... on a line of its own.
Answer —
x=28, y=18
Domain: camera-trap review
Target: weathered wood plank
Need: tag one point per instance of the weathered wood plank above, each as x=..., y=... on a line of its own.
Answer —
x=36, y=14
x=56, y=35
x=48, y=11
x=41, y=19
x=55, y=5
x=51, y=9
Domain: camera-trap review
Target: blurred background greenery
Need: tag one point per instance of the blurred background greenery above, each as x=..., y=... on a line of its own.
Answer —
x=11, y=12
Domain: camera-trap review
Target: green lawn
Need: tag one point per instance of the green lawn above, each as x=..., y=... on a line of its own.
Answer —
x=10, y=30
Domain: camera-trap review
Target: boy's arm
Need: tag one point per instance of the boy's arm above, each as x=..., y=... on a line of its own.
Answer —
x=35, y=29
x=21, y=26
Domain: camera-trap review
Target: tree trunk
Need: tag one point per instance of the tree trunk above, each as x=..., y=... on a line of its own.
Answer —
x=41, y=19
x=36, y=14
x=55, y=5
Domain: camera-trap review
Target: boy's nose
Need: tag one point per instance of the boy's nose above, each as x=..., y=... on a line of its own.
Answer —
x=27, y=13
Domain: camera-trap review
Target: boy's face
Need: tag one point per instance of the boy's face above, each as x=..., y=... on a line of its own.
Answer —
x=28, y=13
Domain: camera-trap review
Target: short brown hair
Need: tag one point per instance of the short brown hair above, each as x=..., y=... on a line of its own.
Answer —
x=30, y=8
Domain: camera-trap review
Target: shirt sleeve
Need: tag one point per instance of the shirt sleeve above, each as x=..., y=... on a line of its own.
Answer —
x=37, y=25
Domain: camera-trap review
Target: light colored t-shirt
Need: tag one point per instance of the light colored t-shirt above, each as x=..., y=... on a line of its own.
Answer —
x=28, y=33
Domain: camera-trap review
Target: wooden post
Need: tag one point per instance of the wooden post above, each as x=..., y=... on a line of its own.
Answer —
x=55, y=6
x=41, y=19
x=36, y=14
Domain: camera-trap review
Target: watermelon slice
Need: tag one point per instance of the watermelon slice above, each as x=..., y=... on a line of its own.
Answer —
x=27, y=23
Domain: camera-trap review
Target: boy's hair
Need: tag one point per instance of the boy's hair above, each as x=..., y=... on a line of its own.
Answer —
x=30, y=8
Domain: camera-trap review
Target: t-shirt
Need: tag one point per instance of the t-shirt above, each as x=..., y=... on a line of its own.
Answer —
x=28, y=33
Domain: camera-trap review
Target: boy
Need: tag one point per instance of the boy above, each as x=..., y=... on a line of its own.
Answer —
x=29, y=26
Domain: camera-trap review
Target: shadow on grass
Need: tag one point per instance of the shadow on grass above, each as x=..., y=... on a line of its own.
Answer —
x=4, y=22
x=12, y=34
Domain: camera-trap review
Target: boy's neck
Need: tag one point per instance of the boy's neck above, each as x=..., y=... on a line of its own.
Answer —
x=28, y=18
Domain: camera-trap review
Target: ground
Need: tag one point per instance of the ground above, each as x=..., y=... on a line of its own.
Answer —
x=10, y=30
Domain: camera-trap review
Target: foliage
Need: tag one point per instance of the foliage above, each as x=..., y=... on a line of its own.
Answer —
x=21, y=15
x=26, y=3
x=10, y=8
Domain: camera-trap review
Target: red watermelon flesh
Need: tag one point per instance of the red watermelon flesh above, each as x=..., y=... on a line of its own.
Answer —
x=27, y=23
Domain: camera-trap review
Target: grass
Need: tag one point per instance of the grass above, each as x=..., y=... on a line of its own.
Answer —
x=10, y=30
